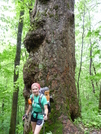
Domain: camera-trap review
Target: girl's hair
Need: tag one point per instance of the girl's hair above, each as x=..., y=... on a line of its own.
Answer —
x=36, y=84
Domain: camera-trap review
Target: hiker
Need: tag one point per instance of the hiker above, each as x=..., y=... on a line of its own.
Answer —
x=37, y=116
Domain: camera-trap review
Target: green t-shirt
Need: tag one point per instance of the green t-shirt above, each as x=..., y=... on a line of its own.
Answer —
x=36, y=106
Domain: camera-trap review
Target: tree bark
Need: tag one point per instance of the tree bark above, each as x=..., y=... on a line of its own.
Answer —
x=51, y=46
x=16, y=75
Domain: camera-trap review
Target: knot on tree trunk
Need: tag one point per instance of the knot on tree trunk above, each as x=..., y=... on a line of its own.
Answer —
x=35, y=36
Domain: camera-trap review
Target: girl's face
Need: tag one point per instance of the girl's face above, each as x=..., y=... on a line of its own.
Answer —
x=35, y=90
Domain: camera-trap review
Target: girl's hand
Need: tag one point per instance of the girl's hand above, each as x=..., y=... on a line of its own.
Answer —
x=45, y=117
x=24, y=116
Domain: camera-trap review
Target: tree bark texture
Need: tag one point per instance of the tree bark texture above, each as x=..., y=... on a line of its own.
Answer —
x=51, y=46
x=16, y=75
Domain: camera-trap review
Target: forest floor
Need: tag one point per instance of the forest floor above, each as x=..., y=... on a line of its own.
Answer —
x=86, y=130
x=70, y=128
x=95, y=132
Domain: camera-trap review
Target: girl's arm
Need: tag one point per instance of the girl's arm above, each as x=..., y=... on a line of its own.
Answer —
x=46, y=112
x=25, y=116
x=29, y=108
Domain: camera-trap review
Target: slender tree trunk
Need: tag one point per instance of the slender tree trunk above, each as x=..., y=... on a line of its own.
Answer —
x=2, y=113
x=95, y=74
x=100, y=99
x=81, y=55
x=51, y=62
x=16, y=75
x=90, y=66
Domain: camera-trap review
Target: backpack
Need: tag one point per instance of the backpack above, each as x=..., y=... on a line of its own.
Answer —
x=45, y=91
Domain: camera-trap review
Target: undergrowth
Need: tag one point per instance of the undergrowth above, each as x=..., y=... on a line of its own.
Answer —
x=90, y=113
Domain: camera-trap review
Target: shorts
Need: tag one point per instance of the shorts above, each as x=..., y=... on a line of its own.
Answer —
x=39, y=122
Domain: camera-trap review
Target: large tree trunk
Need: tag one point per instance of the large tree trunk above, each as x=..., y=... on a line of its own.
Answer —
x=51, y=62
x=16, y=75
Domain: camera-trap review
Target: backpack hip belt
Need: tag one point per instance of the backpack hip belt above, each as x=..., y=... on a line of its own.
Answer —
x=36, y=114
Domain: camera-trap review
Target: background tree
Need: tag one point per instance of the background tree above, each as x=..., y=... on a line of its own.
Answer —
x=100, y=99
x=51, y=46
x=7, y=53
x=16, y=75
x=88, y=82
x=83, y=32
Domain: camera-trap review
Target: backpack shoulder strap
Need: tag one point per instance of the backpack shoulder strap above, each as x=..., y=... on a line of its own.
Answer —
x=32, y=98
x=40, y=97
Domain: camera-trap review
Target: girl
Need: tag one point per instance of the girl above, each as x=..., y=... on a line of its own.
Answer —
x=37, y=117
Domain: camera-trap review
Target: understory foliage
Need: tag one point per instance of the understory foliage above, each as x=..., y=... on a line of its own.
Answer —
x=8, y=26
x=88, y=43
x=87, y=14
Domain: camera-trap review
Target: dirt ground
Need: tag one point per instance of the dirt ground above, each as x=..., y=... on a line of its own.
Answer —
x=70, y=128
